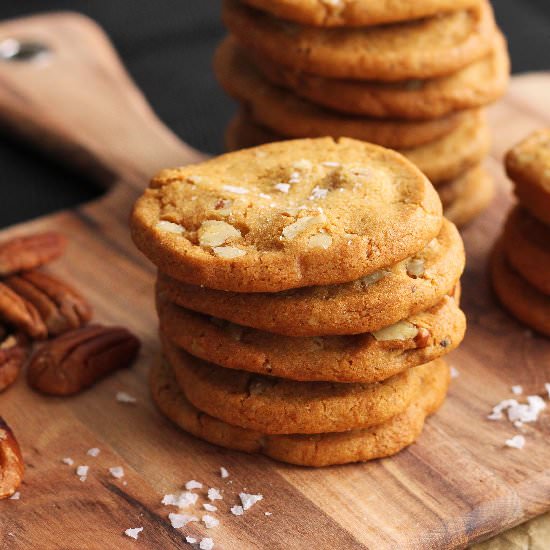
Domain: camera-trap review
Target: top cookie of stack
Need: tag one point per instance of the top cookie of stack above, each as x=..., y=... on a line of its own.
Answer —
x=412, y=76
x=287, y=215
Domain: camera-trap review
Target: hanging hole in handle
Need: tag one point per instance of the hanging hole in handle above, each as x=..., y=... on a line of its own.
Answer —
x=14, y=50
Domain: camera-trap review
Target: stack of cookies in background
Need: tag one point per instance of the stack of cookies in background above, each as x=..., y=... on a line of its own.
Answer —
x=521, y=258
x=307, y=292
x=411, y=76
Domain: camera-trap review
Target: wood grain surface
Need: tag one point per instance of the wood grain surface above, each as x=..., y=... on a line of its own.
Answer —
x=457, y=485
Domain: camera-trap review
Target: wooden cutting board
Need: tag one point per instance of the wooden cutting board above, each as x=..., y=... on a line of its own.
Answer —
x=458, y=484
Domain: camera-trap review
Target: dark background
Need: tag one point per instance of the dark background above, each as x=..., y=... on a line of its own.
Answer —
x=167, y=46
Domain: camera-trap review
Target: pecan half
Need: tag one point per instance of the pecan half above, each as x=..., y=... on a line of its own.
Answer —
x=13, y=353
x=11, y=461
x=422, y=338
x=77, y=359
x=17, y=311
x=24, y=253
x=61, y=307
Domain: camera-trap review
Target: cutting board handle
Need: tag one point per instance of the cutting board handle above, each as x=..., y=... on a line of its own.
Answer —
x=64, y=88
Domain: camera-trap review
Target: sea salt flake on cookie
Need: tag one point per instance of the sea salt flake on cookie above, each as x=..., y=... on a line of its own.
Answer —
x=210, y=507
x=237, y=510
x=282, y=187
x=517, y=390
x=94, y=451
x=224, y=473
x=235, y=189
x=318, y=193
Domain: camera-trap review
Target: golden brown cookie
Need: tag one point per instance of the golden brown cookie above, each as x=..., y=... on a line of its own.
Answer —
x=528, y=166
x=419, y=49
x=361, y=358
x=473, y=86
x=286, y=215
x=288, y=115
x=277, y=406
x=357, y=13
x=307, y=450
x=441, y=160
x=521, y=299
x=526, y=242
x=467, y=196
x=364, y=305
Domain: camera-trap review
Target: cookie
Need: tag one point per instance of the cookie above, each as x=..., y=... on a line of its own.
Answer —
x=521, y=299
x=526, y=243
x=528, y=166
x=307, y=450
x=419, y=49
x=363, y=358
x=441, y=160
x=366, y=305
x=277, y=406
x=356, y=13
x=474, y=86
x=288, y=115
x=467, y=196
x=286, y=215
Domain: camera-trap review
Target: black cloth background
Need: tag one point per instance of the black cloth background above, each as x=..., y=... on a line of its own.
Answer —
x=167, y=46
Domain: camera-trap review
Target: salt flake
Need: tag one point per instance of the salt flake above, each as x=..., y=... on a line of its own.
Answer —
x=180, y=520
x=117, y=472
x=214, y=494
x=193, y=484
x=134, y=532
x=94, y=451
x=249, y=500
x=206, y=544
x=224, y=473
x=516, y=442
x=123, y=397
x=210, y=521
x=237, y=510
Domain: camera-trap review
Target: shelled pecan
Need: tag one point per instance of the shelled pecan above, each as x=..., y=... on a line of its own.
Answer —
x=24, y=253
x=79, y=358
x=11, y=461
x=14, y=349
x=19, y=312
x=60, y=306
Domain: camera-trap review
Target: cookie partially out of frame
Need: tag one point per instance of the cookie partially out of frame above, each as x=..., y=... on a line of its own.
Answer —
x=528, y=166
x=286, y=215
x=414, y=50
x=363, y=358
x=357, y=13
x=521, y=299
x=441, y=160
x=286, y=114
x=527, y=244
x=278, y=406
x=473, y=86
x=308, y=450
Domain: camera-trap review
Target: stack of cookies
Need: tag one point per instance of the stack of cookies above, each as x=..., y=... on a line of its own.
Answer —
x=408, y=75
x=307, y=291
x=521, y=258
